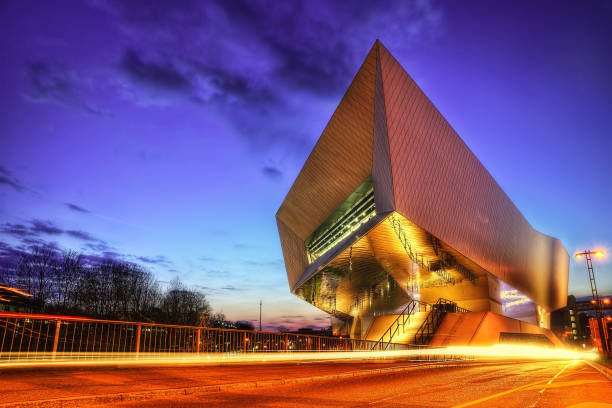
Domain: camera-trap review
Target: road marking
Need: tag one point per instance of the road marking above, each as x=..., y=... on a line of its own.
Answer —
x=522, y=387
x=561, y=384
x=548, y=384
x=555, y=376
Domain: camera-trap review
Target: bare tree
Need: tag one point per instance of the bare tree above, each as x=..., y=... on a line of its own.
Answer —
x=66, y=282
x=36, y=273
x=184, y=306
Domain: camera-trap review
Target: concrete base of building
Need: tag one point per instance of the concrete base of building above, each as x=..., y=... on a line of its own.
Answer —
x=487, y=329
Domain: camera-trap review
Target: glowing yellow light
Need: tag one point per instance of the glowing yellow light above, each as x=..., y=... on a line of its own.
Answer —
x=599, y=253
x=506, y=352
x=606, y=301
x=578, y=256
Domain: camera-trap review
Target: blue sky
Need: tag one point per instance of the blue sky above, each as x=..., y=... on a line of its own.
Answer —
x=168, y=133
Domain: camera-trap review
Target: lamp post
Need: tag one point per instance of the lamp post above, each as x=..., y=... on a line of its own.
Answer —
x=588, y=255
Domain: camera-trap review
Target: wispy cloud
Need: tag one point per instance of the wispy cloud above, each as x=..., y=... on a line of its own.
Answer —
x=55, y=83
x=45, y=227
x=40, y=229
x=271, y=172
x=76, y=208
x=7, y=178
x=154, y=260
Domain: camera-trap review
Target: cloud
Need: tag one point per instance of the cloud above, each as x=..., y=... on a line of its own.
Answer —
x=54, y=83
x=30, y=243
x=76, y=208
x=8, y=179
x=271, y=172
x=12, y=183
x=45, y=227
x=273, y=262
x=99, y=246
x=82, y=235
x=95, y=259
x=154, y=75
x=37, y=229
x=231, y=288
x=156, y=260
x=16, y=230
x=208, y=259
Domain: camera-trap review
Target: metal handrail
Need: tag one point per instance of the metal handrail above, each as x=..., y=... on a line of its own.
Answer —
x=404, y=315
x=431, y=323
x=24, y=335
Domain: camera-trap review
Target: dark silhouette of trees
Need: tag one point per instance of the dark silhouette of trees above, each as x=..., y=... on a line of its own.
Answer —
x=66, y=283
x=180, y=305
x=244, y=325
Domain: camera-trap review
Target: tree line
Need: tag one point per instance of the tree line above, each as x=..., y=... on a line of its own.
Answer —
x=67, y=283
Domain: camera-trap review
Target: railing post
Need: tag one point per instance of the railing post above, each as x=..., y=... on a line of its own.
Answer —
x=138, y=330
x=56, y=338
x=286, y=342
x=198, y=341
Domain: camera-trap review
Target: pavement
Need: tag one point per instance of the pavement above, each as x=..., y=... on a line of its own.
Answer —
x=574, y=384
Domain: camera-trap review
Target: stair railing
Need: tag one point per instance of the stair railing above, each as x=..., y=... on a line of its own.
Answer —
x=401, y=321
x=434, y=318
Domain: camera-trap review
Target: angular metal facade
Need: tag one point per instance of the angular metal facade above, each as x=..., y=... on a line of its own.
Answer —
x=385, y=127
x=440, y=185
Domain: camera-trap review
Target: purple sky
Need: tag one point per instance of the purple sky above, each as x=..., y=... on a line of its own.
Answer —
x=168, y=133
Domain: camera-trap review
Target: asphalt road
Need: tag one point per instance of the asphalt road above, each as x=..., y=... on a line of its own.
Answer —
x=524, y=385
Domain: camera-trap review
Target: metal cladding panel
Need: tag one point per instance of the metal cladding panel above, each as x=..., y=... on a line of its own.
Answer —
x=441, y=186
x=293, y=253
x=339, y=162
x=381, y=160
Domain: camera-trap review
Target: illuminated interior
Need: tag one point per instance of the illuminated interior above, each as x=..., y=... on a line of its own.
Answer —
x=394, y=262
x=357, y=209
x=397, y=261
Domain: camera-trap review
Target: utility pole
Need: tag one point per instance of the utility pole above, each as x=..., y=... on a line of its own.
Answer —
x=599, y=315
x=260, y=315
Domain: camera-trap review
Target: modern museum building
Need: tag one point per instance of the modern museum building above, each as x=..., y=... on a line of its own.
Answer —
x=396, y=229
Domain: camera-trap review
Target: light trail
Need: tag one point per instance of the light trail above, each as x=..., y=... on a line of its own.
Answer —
x=460, y=353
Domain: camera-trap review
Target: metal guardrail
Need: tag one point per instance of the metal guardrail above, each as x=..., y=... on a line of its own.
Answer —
x=24, y=336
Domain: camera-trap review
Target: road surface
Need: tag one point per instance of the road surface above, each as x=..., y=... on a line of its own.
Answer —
x=471, y=384
x=534, y=384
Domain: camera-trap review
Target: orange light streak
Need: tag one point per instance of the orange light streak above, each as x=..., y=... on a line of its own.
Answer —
x=506, y=352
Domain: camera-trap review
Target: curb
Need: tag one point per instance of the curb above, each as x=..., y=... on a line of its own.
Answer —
x=605, y=371
x=88, y=400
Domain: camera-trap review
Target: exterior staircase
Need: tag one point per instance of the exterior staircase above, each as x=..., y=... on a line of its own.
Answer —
x=416, y=324
x=434, y=318
x=400, y=328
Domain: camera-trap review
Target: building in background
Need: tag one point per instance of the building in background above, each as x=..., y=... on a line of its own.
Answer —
x=394, y=223
x=15, y=300
x=573, y=323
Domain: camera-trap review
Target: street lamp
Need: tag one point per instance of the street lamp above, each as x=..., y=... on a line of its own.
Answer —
x=598, y=305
